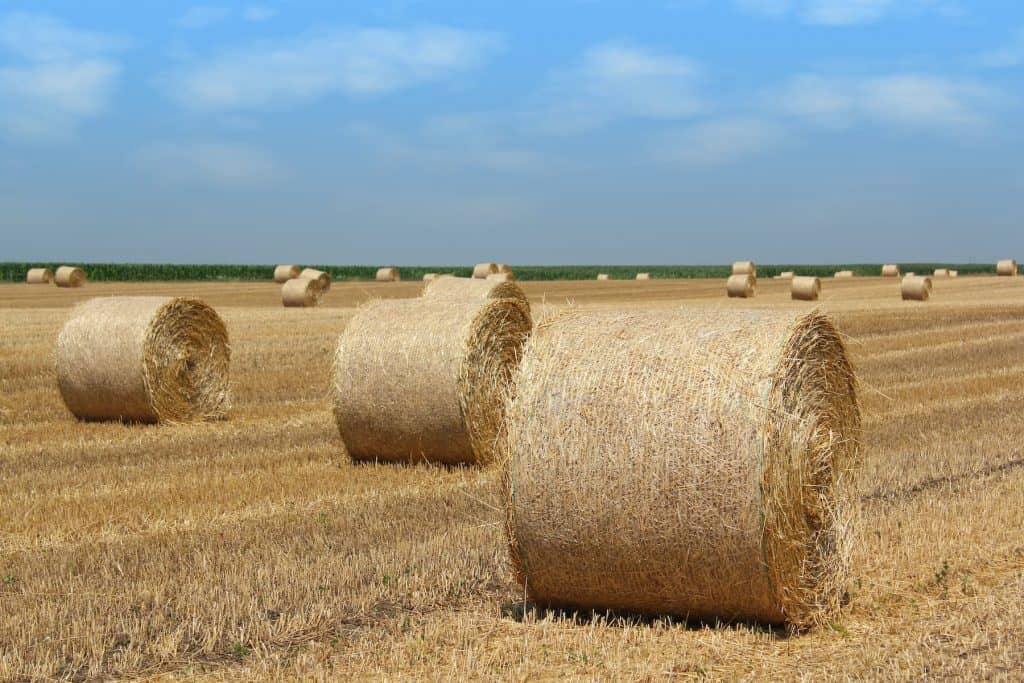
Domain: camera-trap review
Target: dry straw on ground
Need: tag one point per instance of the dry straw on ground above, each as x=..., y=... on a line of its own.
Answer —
x=740, y=286
x=1006, y=267
x=806, y=288
x=301, y=292
x=283, y=274
x=482, y=270
x=314, y=274
x=940, y=272
x=643, y=276
x=687, y=463
x=39, y=276
x=144, y=359
x=388, y=275
x=843, y=274
x=468, y=289
x=890, y=270
x=69, y=276
x=916, y=287
x=603, y=276
x=422, y=379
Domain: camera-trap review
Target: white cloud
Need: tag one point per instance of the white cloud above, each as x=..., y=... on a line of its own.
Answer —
x=1008, y=56
x=614, y=80
x=360, y=62
x=202, y=16
x=221, y=164
x=720, y=141
x=64, y=75
x=844, y=12
x=258, y=13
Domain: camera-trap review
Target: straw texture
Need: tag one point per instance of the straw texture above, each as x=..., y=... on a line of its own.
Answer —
x=643, y=276
x=301, y=292
x=688, y=463
x=388, y=275
x=69, y=276
x=740, y=286
x=420, y=379
x=806, y=288
x=916, y=288
x=1006, y=267
x=144, y=359
x=467, y=289
x=843, y=273
x=890, y=270
x=314, y=274
x=482, y=270
x=283, y=274
x=39, y=276
x=744, y=268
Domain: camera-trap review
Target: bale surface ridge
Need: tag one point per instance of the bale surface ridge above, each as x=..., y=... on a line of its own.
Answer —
x=688, y=463
x=283, y=274
x=144, y=359
x=451, y=288
x=69, y=276
x=741, y=286
x=482, y=270
x=806, y=288
x=301, y=292
x=39, y=276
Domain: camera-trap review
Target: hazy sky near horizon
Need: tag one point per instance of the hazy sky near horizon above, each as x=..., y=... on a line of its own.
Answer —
x=556, y=132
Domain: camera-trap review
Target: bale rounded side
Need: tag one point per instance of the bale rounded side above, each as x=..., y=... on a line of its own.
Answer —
x=501, y=277
x=744, y=268
x=786, y=275
x=314, y=274
x=643, y=276
x=1007, y=267
x=482, y=270
x=388, y=275
x=740, y=286
x=843, y=274
x=603, y=276
x=806, y=288
x=69, y=276
x=890, y=270
x=916, y=288
x=283, y=274
x=39, y=276
x=505, y=268
x=301, y=292
x=940, y=272
x=451, y=288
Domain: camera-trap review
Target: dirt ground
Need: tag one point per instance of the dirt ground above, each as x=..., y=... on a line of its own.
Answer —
x=254, y=549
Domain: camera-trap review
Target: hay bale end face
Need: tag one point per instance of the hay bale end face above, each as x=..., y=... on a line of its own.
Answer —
x=806, y=289
x=740, y=286
x=388, y=275
x=301, y=292
x=450, y=288
x=915, y=288
x=1007, y=268
x=840, y=274
x=482, y=270
x=321, y=276
x=695, y=464
x=426, y=380
x=890, y=270
x=643, y=276
x=69, y=276
x=744, y=268
x=603, y=276
x=144, y=359
x=283, y=274
x=39, y=276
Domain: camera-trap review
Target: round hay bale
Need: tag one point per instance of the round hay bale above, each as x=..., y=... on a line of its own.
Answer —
x=314, y=274
x=840, y=274
x=482, y=270
x=69, y=276
x=740, y=286
x=940, y=272
x=39, y=276
x=603, y=276
x=388, y=275
x=890, y=270
x=916, y=288
x=283, y=274
x=953, y=273
x=643, y=276
x=505, y=268
x=467, y=289
x=786, y=275
x=1007, y=267
x=909, y=274
x=426, y=379
x=501, y=277
x=806, y=288
x=744, y=268
x=301, y=292
x=144, y=359
x=695, y=464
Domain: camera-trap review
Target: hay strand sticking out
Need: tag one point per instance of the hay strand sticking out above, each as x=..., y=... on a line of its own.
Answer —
x=840, y=274
x=687, y=463
x=744, y=268
x=144, y=359
x=39, y=276
x=890, y=270
x=482, y=270
x=283, y=274
x=603, y=276
x=940, y=272
x=301, y=292
x=916, y=288
x=806, y=288
x=69, y=276
x=450, y=288
x=423, y=379
x=643, y=276
x=740, y=286
x=1006, y=267
x=314, y=274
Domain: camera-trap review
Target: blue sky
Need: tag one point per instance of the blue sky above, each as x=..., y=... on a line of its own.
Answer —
x=685, y=131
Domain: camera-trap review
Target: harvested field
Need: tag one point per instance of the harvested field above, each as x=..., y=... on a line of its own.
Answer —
x=254, y=548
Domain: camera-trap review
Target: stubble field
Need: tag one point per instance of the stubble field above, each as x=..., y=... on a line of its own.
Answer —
x=254, y=549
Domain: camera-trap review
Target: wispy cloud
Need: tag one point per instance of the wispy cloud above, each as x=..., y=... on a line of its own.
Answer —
x=60, y=76
x=844, y=12
x=1005, y=57
x=351, y=61
x=221, y=164
x=258, y=13
x=202, y=16
x=719, y=141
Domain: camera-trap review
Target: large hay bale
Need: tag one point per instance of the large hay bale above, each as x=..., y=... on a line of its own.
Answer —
x=39, y=276
x=301, y=292
x=890, y=270
x=916, y=287
x=643, y=276
x=144, y=359
x=740, y=286
x=840, y=274
x=1007, y=267
x=603, y=276
x=69, y=276
x=940, y=272
x=744, y=268
x=482, y=270
x=806, y=288
x=468, y=289
x=388, y=275
x=426, y=379
x=688, y=463
x=314, y=274
x=283, y=274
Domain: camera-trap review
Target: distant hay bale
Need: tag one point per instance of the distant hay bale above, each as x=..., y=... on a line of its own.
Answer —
x=144, y=359
x=505, y=268
x=688, y=463
x=69, y=276
x=39, y=276
x=283, y=274
x=301, y=292
x=740, y=286
x=426, y=379
x=916, y=288
x=953, y=273
x=785, y=275
x=909, y=274
x=501, y=277
x=482, y=270
x=843, y=274
x=1007, y=267
x=890, y=270
x=388, y=275
x=806, y=288
x=467, y=289
x=314, y=274
x=603, y=276
x=744, y=268
x=643, y=276
x=940, y=272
